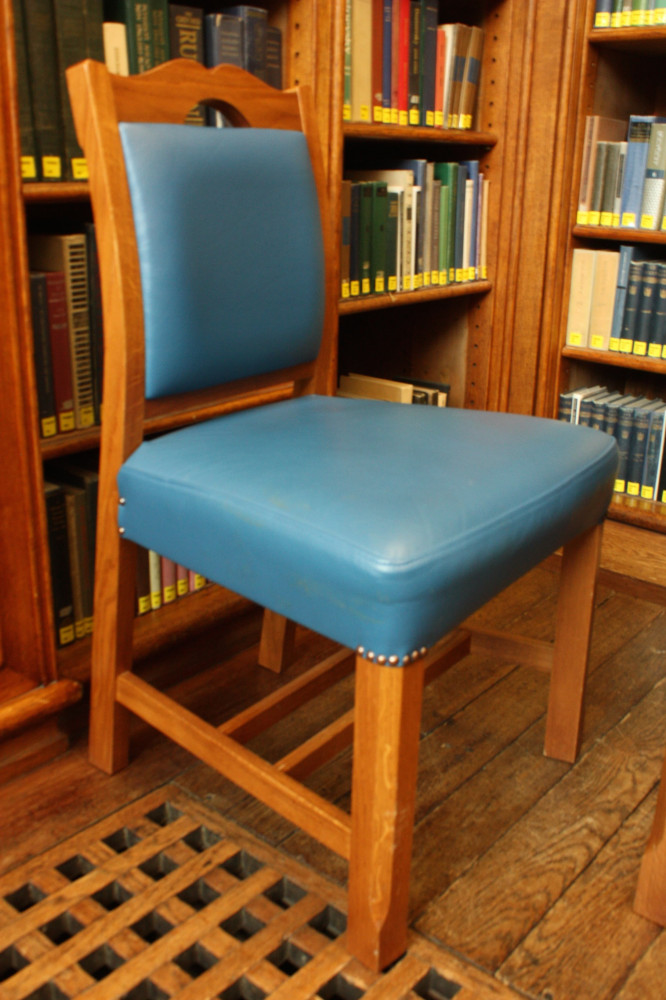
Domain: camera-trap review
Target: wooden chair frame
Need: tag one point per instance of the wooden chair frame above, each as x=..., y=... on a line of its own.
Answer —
x=384, y=726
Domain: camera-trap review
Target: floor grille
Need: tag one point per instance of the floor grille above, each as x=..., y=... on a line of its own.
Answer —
x=166, y=899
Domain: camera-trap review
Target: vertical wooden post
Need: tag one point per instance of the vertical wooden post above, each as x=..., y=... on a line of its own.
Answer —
x=276, y=647
x=386, y=741
x=650, y=899
x=575, y=611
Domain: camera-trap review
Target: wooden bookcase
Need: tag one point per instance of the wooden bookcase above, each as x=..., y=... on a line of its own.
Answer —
x=612, y=72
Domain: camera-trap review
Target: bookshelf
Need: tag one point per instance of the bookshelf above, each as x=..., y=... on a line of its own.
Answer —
x=613, y=72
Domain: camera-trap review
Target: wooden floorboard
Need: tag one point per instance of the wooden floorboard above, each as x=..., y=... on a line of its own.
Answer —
x=522, y=865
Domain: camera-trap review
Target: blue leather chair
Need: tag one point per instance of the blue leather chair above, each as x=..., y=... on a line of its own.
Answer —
x=380, y=526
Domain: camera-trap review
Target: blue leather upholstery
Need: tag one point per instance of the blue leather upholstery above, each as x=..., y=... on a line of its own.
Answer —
x=229, y=237
x=376, y=524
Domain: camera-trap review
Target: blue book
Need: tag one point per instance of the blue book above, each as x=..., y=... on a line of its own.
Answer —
x=460, y=273
x=638, y=138
x=473, y=175
x=602, y=13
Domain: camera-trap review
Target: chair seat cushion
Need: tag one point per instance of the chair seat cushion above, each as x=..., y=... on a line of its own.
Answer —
x=377, y=524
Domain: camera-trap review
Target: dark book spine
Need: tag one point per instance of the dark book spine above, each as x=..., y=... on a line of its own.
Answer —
x=186, y=41
x=61, y=583
x=657, y=342
x=354, y=240
x=39, y=22
x=623, y=432
x=647, y=297
x=637, y=450
x=159, y=28
x=378, y=247
x=61, y=360
x=94, y=17
x=654, y=456
x=414, y=92
x=365, y=237
x=255, y=23
x=48, y=425
x=274, y=57
x=429, y=16
x=70, y=42
x=29, y=171
x=630, y=315
x=135, y=15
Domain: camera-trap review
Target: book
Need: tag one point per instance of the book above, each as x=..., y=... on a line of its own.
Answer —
x=597, y=128
x=273, y=75
x=68, y=254
x=626, y=415
x=96, y=319
x=114, y=34
x=415, y=68
x=428, y=47
x=39, y=28
x=41, y=344
x=654, y=454
x=81, y=588
x=159, y=31
x=645, y=308
x=580, y=297
x=377, y=64
x=654, y=183
x=638, y=139
x=470, y=85
x=155, y=579
x=630, y=314
x=638, y=446
x=136, y=16
x=602, y=300
x=387, y=59
x=223, y=43
x=61, y=580
x=354, y=385
x=378, y=268
x=255, y=25
x=345, y=238
x=462, y=40
x=600, y=160
x=186, y=41
x=61, y=359
x=609, y=212
x=168, y=579
x=602, y=13
x=29, y=171
x=142, y=581
x=394, y=214
x=657, y=341
x=361, y=61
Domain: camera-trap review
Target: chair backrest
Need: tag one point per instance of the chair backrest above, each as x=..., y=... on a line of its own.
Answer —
x=215, y=245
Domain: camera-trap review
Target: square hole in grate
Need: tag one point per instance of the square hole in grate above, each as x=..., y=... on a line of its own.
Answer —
x=198, y=895
x=242, y=925
x=146, y=990
x=152, y=927
x=241, y=865
x=433, y=986
x=285, y=893
x=242, y=989
x=112, y=896
x=195, y=960
x=164, y=814
x=339, y=988
x=121, y=840
x=289, y=958
x=201, y=839
x=101, y=962
x=75, y=867
x=49, y=991
x=61, y=928
x=330, y=922
x=25, y=897
x=11, y=962
x=158, y=866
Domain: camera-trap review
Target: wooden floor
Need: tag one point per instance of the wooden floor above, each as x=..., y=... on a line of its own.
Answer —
x=523, y=865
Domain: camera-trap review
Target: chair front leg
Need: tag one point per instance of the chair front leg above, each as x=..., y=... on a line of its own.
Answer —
x=575, y=611
x=650, y=899
x=276, y=647
x=386, y=740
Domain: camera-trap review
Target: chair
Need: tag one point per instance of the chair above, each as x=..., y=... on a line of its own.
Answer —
x=650, y=898
x=379, y=526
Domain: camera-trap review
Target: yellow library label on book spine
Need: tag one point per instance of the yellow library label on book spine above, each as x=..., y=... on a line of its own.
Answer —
x=629, y=220
x=402, y=118
x=434, y=277
x=452, y=274
x=418, y=281
x=647, y=492
x=345, y=290
x=394, y=116
x=636, y=18
x=620, y=485
x=144, y=604
x=87, y=416
x=659, y=15
x=49, y=427
x=66, y=633
x=597, y=341
x=574, y=339
x=632, y=489
x=79, y=169
x=364, y=113
x=654, y=351
x=79, y=629
x=582, y=217
x=182, y=587
x=453, y=121
x=199, y=581
x=155, y=600
x=365, y=286
x=614, y=344
x=393, y=283
x=439, y=119
x=355, y=288
x=625, y=20
x=426, y=279
x=377, y=114
x=379, y=283
x=606, y=219
x=616, y=19
x=647, y=221
x=170, y=593
x=593, y=218
x=663, y=352
x=615, y=219
x=466, y=121
x=407, y=282
x=484, y=271
x=28, y=168
x=602, y=19
x=66, y=421
x=88, y=624
x=51, y=168
x=640, y=347
x=430, y=119
x=460, y=274
x=626, y=346
x=346, y=112
x=413, y=116
x=386, y=116
x=443, y=277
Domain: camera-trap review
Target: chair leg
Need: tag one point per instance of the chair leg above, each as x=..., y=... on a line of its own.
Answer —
x=386, y=740
x=575, y=611
x=650, y=899
x=115, y=587
x=276, y=647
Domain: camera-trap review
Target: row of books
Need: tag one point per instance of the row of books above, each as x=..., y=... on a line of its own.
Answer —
x=131, y=36
x=70, y=493
x=629, y=13
x=639, y=426
x=404, y=68
x=67, y=330
x=617, y=302
x=623, y=173
x=393, y=390
x=411, y=225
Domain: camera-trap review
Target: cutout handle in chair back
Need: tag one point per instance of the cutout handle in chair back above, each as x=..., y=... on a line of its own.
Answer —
x=230, y=251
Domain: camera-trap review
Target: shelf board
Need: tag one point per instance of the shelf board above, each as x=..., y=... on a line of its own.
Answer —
x=68, y=444
x=616, y=359
x=413, y=133
x=365, y=303
x=55, y=191
x=640, y=513
x=655, y=236
x=639, y=39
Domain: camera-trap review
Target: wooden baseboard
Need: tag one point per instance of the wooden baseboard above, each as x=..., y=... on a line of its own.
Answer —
x=31, y=749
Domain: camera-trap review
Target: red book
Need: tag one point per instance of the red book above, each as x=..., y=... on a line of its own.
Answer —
x=377, y=61
x=402, y=70
x=440, y=66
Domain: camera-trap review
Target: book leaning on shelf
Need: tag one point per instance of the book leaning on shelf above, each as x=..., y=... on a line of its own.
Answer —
x=393, y=390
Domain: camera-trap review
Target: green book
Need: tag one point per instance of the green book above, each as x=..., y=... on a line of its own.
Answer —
x=447, y=173
x=393, y=217
x=444, y=223
x=136, y=16
x=630, y=315
x=159, y=28
x=647, y=297
x=378, y=277
x=29, y=171
x=39, y=24
x=365, y=237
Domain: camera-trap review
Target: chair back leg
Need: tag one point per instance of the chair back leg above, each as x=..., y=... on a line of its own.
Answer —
x=575, y=611
x=386, y=740
x=276, y=648
x=650, y=899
